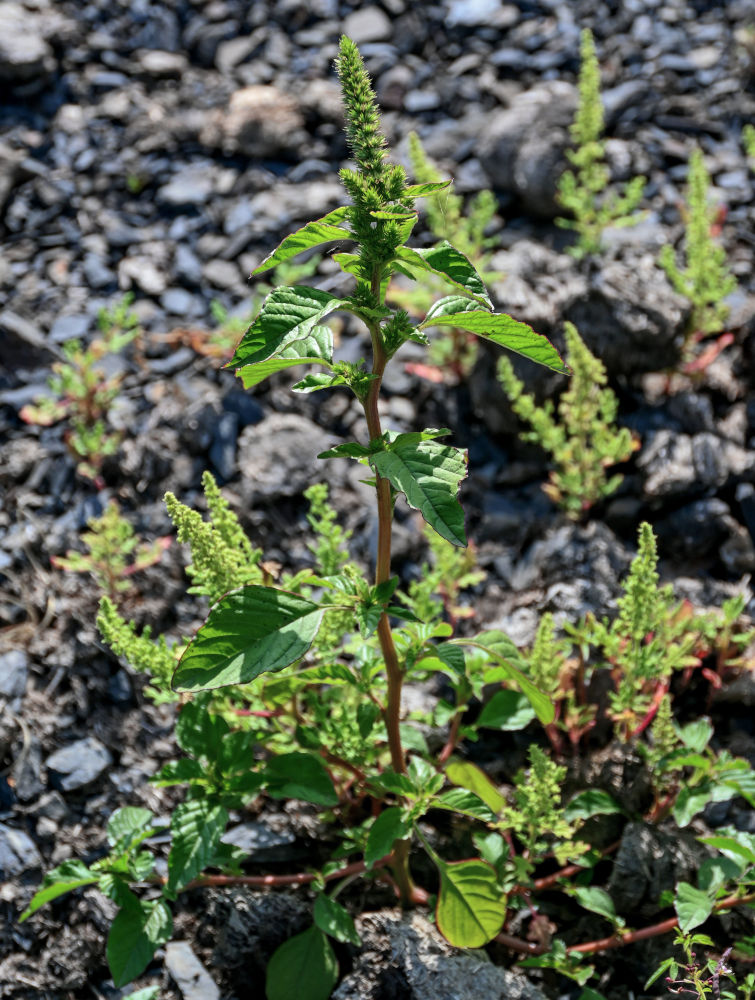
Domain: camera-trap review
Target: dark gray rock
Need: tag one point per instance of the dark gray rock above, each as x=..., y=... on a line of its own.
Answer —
x=222, y=452
x=522, y=149
x=277, y=456
x=423, y=966
x=631, y=318
x=188, y=973
x=14, y=671
x=18, y=853
x=260, y=842
x=648, y=862
x=78, y=764
x=70, y=328
x=675, y=463
x=27, y=771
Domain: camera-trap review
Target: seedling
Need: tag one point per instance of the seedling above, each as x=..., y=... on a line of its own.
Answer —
x=584, y=441
x=705, y=279
x=82, y=393
x=114, y=553
x=583, y=192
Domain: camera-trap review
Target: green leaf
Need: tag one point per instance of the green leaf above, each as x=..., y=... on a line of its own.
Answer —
x=197, y=826
x=323, y=230
x=461, y=800
x=200, y=732
x=729, y=846
x=248, y=632
x=691, y=801
x=334, y=920
x=367, y=714
x=428, y=474
x=511, y=666
x=696, y=735
x=300, y=776
x=422, y=190
x=507, y=710
x=65, y=878
x=349, y=262
x=470, y=776
x=303, y=967
x=126, y=822
x=451, y=265
x=591, y=802
x=471, y=907
x=389, y=827
x=287, y=318
x=596, y=900
x=178, y=772
x=397, y=214
x=316, y=381
x=693, y=906
x=502, y=330
x=316, y=348
x=349, y=449
x=138, y=930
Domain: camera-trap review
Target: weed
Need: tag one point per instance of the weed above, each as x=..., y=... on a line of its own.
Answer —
x=82, y=393
x=705, y=279
x=583, y=191
x=114, y=553
x=583, y=441
x=293, y=690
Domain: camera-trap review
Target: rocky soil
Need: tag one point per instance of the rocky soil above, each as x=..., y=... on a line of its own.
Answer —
x=162, y=147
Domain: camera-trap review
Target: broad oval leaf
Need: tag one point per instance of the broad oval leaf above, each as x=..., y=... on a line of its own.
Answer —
x=303, y=967
x=460, y=800
x=428, y=474
x=471, y=907
x=591, y=802
x=597, y=900
x=502, y=330
x=314, y=349
x=323, y=230
x=138, y=930
x=197, y=826
x=126, y=822
x=451, y=265
x=469, y=776
x=288, y=316
x=249, y=631
x=300, y=776
x=508, y=711
x=693, y=906
x=389, y=827
x=335, y=920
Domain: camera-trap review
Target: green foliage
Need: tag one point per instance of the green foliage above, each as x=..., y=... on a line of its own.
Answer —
x=114, y=553
x=705, y=279
x=583, y=191
x=583, y=441
x=455, y=352
x=441, y=581
x=142, y=654
x=82, y=393
x=537, y=814
x=293, y=690
x=222, y=556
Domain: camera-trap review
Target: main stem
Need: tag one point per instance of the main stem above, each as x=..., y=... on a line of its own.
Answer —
x=393, y=669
